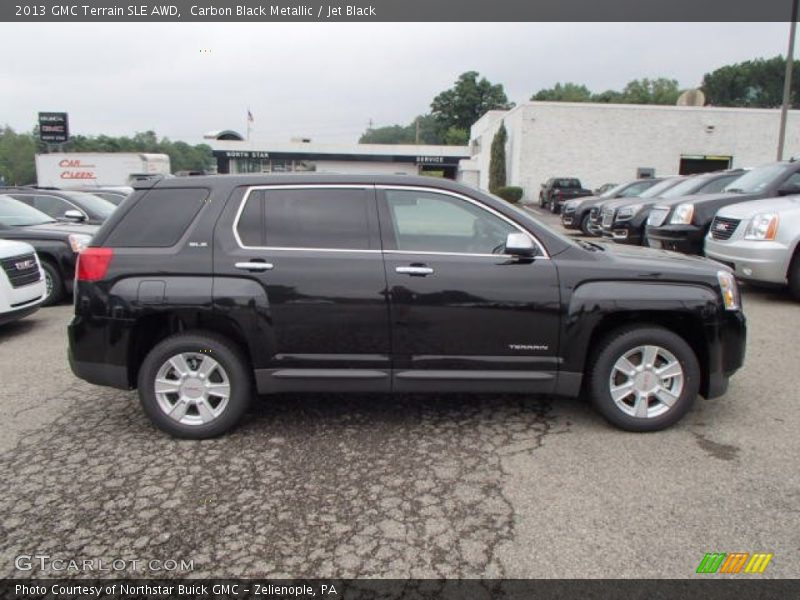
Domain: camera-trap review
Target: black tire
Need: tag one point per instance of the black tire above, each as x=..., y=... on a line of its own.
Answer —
x=554, y=207
x=624, y=340
x=541, y=201
x=55, y=284
x=585, y=224
x=794, y=276
x=228, y=356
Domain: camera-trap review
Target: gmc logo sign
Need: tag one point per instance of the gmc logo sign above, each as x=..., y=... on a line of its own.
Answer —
x=25, y=264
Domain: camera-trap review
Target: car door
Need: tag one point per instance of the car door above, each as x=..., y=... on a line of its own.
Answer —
x=465, y=316
x=301, y=267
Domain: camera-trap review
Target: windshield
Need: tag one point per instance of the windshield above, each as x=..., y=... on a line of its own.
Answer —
x=631, y=190
x=660, y=188
x=92, y=203
x=14, y=213
x=684, y=187
x=758, y=179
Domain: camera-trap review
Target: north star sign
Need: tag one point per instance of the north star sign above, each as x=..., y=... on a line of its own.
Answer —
x=245, y=154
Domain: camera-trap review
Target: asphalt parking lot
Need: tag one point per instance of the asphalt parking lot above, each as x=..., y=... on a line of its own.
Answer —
x=411, y=486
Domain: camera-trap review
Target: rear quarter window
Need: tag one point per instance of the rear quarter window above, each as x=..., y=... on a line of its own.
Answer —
x=159, y=219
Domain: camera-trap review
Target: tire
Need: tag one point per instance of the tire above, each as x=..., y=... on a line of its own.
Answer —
x=585, y=224
x=654, y=413
x=54, y=282
x=197, y=412
x=794, y=276
x=541, y=201
x=554, y=208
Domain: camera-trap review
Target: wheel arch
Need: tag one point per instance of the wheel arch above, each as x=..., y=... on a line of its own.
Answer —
x=599, y=308
x=151, y=329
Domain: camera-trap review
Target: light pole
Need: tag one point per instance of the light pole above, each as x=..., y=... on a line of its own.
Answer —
x=787, y=80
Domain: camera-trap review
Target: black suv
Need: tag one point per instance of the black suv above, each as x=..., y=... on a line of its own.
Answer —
x=56, y=243
x=625, y=220
x=681, y=224
x=576, y=214
x=200, y=291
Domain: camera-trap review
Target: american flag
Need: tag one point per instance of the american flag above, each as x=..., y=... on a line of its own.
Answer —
x=249, y=116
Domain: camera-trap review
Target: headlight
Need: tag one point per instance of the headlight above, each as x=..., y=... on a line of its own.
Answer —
x=79, y=241
x=683, y=214
x=730, y=290
x=627, y=212
x=570, y=205
x=763, y=226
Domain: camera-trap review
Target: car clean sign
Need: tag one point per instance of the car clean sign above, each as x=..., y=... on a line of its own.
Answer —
x=53, y=127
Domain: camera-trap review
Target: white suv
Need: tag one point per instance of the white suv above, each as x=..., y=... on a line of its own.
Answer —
x=22, y=284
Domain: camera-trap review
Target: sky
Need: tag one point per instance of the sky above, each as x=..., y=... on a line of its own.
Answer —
x=328, y=81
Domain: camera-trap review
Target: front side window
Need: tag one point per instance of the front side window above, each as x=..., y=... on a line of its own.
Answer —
x=322, y=218
x=430, y=222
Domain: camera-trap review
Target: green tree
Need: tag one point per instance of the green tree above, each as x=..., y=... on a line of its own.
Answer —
x=754, y=83
x=651, y=91
x=568, y=92
x=467, y=101
x=17, y=152
x=497, y=160
x=456, y=136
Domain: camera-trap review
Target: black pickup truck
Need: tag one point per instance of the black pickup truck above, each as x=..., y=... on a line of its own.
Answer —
x=557, y=190
x=202, y=291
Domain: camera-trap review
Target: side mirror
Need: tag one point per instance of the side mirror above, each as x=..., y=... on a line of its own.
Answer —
x=519, y=244
x=788, y=189
x=74, y=215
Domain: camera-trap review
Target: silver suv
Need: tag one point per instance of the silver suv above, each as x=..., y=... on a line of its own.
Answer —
x=759, y=240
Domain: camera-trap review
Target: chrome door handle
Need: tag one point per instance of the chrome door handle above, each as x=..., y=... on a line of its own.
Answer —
x=414, y=270
x=254, y=266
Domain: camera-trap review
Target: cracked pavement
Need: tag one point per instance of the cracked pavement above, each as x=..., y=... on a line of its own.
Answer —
x=411, y=486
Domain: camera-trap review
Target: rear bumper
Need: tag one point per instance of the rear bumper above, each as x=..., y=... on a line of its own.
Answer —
x=679, y=238
x=98, y=351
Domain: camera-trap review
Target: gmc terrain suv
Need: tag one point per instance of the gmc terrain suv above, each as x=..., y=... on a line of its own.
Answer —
x=201, y=291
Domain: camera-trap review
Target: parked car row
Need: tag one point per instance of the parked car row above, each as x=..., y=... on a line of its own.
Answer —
x=746, y=219
x=42, y=230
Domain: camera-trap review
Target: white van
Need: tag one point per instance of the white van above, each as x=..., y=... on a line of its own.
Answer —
x=22, y=283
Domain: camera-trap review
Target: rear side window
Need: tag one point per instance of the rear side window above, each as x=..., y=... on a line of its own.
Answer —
x=306, y=218
x=159, y=219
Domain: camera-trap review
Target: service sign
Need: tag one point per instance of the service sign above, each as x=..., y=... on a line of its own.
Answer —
x=53, y=127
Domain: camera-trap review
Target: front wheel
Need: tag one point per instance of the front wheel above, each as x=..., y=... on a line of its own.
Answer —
x=644, y=378
x=195, y=385
x=585, y=224
x=794, y=277
x=54, y=285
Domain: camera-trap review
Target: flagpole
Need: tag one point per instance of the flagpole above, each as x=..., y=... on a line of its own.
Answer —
x=248, y=123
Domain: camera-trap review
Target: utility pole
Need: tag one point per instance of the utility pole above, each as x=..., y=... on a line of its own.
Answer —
x=416, y=137
x=787, y=80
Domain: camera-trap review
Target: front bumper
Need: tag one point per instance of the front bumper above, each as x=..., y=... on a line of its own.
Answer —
x=678, y=238
x=569, y=219
x=726, y=352
x=623, y=232
x=751, y=260
x=19, y=313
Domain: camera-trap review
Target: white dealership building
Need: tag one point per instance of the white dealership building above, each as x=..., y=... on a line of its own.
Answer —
x=613, y=143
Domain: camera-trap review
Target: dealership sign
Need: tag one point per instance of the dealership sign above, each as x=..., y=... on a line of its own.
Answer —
x=53, y=127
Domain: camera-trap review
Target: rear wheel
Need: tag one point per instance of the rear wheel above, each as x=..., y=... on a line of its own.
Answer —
x=53, y=283
x=195, y=385
x=644, y=378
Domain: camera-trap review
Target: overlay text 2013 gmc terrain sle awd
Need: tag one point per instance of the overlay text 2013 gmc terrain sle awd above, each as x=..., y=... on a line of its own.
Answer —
x=202, y=291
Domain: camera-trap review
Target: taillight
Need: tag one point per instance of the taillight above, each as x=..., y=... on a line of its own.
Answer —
x=93, y=263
